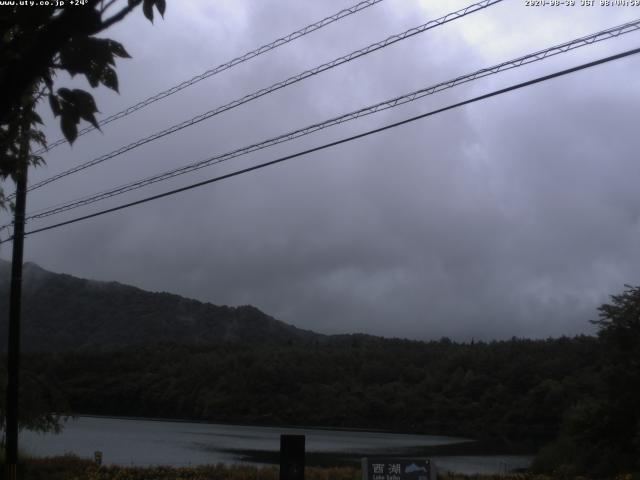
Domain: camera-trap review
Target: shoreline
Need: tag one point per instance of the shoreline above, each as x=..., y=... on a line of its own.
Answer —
x=263, y=425
x=203, y=443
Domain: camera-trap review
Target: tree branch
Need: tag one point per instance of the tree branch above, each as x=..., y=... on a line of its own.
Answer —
x=104, y=8
x=118, y=16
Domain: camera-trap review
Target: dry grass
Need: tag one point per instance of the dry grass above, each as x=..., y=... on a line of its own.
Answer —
x=73, y=468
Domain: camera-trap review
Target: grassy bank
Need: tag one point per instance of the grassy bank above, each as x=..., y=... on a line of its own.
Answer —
x=74, y=468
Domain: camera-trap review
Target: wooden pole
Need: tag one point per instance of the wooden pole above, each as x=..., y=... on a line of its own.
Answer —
x=15, y=305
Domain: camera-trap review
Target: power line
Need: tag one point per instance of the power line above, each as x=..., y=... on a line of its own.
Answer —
x=341, y=141
x=387, y=104
x=225, y=66
x=277, y=86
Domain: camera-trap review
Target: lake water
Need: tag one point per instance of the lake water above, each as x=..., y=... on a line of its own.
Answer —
x=150, y=442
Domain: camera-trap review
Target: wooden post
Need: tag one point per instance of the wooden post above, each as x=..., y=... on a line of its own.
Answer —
x=291, y=457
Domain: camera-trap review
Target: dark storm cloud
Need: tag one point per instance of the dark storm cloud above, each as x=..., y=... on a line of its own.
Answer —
x=516, y=216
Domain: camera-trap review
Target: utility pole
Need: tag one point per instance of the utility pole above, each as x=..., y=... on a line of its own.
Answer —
x=15, y=303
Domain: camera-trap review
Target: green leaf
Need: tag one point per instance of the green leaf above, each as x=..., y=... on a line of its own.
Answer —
x=73, y=57
x=65, y=94
x=89, y=55
x=118, y=50
x=147, y=9
x=110, y=78
x=91, y=118
x=68, y=126
x=85, y=106
x=75, y=105
x=93, y=78
x=38, y=137
x=161, y=5
x=84, y=100
x=36, y=118
x=94, y=57
x=47, y=80
x=36, y=160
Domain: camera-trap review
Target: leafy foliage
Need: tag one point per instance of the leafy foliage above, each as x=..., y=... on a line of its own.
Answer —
x=601, y=432
x=35, y=44
x=517, y=388
x=42, y=404
x=71, y=105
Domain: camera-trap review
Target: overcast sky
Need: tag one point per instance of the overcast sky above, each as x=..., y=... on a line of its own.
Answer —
x=515, y=216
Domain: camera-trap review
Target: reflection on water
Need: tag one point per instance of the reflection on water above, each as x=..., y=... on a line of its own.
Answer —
x=147, y=442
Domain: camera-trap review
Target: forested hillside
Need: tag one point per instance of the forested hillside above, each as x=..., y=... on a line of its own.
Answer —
x=110, y=349
x=517, y=389
x=62, y=312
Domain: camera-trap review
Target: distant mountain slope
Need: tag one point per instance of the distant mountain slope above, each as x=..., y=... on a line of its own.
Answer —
x=62, y=312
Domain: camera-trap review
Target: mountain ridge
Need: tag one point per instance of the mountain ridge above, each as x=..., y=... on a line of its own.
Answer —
x=64, y=312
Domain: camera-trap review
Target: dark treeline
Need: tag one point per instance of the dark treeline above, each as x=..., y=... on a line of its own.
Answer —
x=515, y=389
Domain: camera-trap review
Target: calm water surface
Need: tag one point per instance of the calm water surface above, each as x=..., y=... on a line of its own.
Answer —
x=148, y=442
